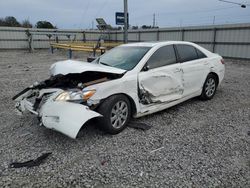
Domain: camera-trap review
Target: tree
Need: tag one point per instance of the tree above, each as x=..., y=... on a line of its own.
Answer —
x=2, y=22
x=45, y=25
x=135, y=27
x=26, y=23
x=9, y=21
x=146, y=27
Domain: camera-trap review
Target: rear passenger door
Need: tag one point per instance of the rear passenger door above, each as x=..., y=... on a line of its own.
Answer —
x=161, y=78
x=194, y=66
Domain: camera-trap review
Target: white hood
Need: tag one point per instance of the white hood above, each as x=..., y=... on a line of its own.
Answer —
x=72, y=66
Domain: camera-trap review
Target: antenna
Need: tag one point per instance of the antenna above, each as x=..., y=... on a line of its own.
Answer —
x=154, y=20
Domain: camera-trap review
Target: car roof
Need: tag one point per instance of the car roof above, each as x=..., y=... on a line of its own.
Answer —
x=155, y=43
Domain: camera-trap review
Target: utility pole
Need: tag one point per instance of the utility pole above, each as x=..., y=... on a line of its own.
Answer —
x=154, y=20
x=125, y=21
x=214, y=20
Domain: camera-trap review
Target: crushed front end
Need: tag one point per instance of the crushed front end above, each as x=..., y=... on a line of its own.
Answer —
x=63, y=102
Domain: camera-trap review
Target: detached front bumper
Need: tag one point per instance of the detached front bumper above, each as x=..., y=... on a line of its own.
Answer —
x=64, y=117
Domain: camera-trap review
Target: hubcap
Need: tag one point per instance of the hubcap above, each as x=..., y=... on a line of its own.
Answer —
x=210, y=87
x=119, y=114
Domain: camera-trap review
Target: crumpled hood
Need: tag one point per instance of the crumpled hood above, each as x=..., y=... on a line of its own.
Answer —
x=72, y=66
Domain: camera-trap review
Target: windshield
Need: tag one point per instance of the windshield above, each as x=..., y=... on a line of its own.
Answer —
x=125, y=57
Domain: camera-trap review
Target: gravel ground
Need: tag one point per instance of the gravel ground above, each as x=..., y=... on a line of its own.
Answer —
x=201, y=144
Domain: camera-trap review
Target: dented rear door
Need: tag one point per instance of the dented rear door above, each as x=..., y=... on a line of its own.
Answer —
x=195, y=68
x=162, y=82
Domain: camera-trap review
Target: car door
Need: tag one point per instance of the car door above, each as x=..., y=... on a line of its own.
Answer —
x=161, y=78
x=194, y=66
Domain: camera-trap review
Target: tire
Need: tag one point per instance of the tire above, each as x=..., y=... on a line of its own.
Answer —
x=116, y=111
x=209, y=87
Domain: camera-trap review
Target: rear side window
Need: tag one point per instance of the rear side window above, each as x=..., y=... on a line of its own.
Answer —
x=186, y=52
x=162, y=57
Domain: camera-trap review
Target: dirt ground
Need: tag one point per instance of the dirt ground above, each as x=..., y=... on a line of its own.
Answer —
x=200, y=144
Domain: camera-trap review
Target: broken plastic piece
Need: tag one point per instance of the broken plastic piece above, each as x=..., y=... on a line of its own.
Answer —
x=157, y=149
x=31, y=163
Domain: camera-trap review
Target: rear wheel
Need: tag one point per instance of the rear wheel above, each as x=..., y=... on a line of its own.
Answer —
x=209, y=87
x=116, y=111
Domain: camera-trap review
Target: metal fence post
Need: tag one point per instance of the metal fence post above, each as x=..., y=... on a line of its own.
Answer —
x=52, y=49
x=70, y=54
x=158, y=35
x=109, y=36
x=139, y=36
x=182, y=34
x=214, y=39
x=83, y=36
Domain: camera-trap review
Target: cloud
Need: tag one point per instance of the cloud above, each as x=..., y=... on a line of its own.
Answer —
x=81, y=13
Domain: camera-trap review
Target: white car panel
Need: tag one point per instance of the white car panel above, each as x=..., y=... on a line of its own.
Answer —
x=194, y=75
x=66, y=117
x=163, y=84
x=72, y=66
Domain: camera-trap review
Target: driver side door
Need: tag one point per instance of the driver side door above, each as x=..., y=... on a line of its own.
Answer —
x=160, y=81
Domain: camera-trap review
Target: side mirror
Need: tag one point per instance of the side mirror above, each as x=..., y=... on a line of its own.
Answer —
x=145, y=68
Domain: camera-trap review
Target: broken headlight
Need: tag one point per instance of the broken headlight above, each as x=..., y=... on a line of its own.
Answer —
x=75, y=95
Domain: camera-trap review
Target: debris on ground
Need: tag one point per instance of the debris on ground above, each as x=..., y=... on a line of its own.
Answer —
x=138, y=125
x=31, y=163
x=156, y=150
x=104, y=162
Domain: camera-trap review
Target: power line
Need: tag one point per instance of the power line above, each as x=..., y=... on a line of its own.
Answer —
x=231, y=2
x=101, y=8
x=187, y=12
x=85, y=12
x=228, y=19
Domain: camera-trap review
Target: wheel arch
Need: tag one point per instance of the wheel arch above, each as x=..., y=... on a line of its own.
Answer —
x=216, y=76
x=131, y=100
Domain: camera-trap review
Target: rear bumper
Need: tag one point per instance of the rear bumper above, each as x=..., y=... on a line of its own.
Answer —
x=64, y=117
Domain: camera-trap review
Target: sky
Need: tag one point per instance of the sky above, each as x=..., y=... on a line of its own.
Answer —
x=80, y=14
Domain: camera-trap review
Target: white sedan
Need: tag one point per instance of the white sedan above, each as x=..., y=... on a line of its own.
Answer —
x=131, y=80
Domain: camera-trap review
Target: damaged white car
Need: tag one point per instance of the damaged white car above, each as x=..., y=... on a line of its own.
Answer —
x=131, y=80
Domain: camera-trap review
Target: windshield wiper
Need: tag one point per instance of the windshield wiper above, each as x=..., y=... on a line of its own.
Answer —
x=105, y=64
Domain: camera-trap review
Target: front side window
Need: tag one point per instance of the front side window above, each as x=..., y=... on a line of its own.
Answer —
x=186, y=52
x=162, y=57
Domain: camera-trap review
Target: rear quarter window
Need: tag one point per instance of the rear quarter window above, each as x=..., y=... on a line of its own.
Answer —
x=200, y=54
x=186, y=52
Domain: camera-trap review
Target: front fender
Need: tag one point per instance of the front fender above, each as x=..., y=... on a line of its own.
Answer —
x=66, y=117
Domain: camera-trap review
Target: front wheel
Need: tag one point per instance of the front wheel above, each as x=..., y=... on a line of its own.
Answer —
x=116, y=111
x=209, y=87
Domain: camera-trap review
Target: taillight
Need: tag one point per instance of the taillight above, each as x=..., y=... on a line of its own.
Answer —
x=222, y=61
